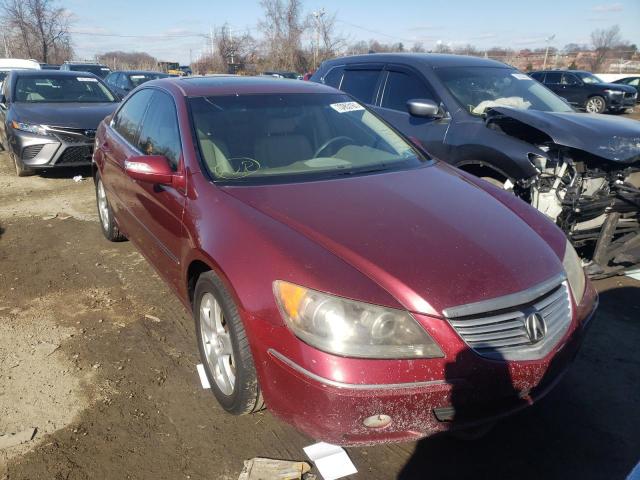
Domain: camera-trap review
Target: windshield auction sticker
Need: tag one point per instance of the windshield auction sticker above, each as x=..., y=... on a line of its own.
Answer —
x=86, y=79
x=346, y=107
x=521, y=76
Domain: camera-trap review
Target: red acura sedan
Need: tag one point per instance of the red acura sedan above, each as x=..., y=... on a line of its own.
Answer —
x=362, y=290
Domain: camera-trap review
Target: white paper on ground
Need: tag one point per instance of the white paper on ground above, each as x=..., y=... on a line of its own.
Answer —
x=332, y=461
x=635, y=274
x=203, y=376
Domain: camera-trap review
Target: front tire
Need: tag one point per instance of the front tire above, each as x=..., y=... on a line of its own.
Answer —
x=105, y=214
x=224, y=347
x=596, y=104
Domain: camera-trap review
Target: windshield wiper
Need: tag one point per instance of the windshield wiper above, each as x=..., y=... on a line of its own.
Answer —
x=364, y=170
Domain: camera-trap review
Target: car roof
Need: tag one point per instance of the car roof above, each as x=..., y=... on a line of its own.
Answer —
x=133, y=72
x=233, y=84
x=435, y=60
x=52, y=73
x=557, y=70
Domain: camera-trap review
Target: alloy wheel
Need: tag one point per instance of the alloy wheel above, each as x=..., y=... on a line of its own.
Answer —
x=216, y=343
x=595, y=105
x=103, y=206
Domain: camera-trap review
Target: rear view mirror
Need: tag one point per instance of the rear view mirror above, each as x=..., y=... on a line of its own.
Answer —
x=150, y=169
x=424, y=108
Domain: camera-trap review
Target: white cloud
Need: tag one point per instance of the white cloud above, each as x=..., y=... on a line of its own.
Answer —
x=608, y=7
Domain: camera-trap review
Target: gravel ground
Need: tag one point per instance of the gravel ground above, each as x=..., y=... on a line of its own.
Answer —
x=98, y=356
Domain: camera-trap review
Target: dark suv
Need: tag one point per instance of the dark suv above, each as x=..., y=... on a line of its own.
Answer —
x=586, y=91
x=491, y=120
x=96, y=68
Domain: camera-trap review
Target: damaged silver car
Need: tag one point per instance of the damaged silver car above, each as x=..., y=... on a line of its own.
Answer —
x=493, y=121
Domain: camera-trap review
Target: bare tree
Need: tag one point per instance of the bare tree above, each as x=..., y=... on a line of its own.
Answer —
x=235, y=50
x=118, y=60
x=37, y=28
x=418, y=47
x=283, y=25
x=328, y=43
x=604, y=41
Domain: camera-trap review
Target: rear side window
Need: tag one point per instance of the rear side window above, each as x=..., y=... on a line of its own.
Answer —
x=129, y=117
x=537, y=76
x=334, y=77
x=160, y=134
x=553, y=77
x=361, y=84
x=402, y=87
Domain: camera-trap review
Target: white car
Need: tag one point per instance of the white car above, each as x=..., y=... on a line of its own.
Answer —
x=8, y=64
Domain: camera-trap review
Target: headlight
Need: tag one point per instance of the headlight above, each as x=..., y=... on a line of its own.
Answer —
x=575, y=273
x=614, y=92
x=352, y=329
x=28, y=127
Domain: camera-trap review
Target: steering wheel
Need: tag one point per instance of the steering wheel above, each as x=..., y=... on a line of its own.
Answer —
x=331, y=141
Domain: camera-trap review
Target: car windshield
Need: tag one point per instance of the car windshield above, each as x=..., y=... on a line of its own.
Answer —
x=480, y=88
x=140, y=78
x=590, y=78
x=98, y=70
x=260, y=137
x=63, y=89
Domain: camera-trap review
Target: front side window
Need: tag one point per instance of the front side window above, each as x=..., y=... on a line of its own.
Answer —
x=334, y=77
x=127, y=120
x=361, y=84
x=569, y=79
x=478, y=88
x=553, y=78
x=277, y=137
x=159, y=134
x=61, y=89
x=589, y=78
x=402, y=87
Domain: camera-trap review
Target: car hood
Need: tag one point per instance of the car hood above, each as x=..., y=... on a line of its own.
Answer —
x=612, y=138
x=618, y=86
x=70, y=115
x=429, y=236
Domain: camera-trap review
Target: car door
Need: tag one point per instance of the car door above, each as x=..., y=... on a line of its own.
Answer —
x=119, y=143
x=553, y=81
x=158, y=209
x=572, y=89
x=399, y=85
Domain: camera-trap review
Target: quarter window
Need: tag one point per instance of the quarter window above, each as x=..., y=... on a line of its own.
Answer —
x=334, y=77
x=361, y=84
x=160, y=134
x=129, y=117
x=401, y=88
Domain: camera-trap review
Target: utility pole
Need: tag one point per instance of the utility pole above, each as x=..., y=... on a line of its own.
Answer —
x=317, y=15
x=546, y=52
x=211, y=39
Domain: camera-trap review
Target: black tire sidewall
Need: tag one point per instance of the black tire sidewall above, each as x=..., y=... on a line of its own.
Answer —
x=110, y=234
x=244, y=392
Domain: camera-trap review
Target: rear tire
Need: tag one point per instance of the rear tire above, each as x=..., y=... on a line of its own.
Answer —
x=105, y=214
x=596, y=104
x=224, y=347
x=21, y=169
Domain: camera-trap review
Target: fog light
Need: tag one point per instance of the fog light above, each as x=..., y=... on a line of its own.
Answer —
x=377, y=421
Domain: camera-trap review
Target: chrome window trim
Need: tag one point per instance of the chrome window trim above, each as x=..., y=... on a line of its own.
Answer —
x=352, y=386
x=507, y=301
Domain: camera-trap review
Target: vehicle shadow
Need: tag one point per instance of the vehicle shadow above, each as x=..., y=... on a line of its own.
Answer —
x=586, y=427
x=67, y=172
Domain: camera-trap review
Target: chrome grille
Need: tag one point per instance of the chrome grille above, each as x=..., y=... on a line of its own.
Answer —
x=502, y=334
x=73, y=135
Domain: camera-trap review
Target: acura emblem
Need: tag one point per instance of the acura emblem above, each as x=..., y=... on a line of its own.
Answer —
x=535, y=326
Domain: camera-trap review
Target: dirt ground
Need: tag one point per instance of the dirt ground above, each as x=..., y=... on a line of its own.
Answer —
x=98, y=355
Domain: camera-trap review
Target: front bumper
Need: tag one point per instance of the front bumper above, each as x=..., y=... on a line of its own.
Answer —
x=334, y=411
x=627, y=100
x=60, y=149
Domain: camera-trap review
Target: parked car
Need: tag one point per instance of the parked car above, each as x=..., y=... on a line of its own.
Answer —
x=122, y=82
x=49, y=66
x=186, y=69
x=489, y=119
x=366, y=292
x=632, y=82
x=283, y=74
x=586, y=91
x=8, y=64
x=96, y=68
x=48, y=118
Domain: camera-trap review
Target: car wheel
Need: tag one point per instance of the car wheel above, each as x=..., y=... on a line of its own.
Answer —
x=21, y=169
x=224, y=347
x=107, y=222
x=596, y=104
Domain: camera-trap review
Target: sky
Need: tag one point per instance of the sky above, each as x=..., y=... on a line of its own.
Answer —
x=172, y=30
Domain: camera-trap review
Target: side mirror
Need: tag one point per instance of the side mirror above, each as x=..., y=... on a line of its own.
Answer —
x=151, y=169
x=424, y=108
